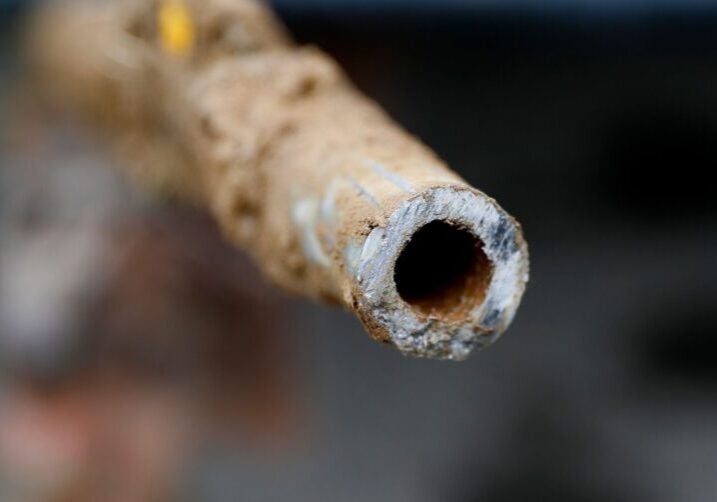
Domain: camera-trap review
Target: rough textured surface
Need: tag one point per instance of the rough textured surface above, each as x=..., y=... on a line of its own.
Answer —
x=442, y=336
x=300, y=169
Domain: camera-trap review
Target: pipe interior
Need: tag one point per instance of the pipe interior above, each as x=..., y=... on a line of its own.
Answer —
x=442, y=271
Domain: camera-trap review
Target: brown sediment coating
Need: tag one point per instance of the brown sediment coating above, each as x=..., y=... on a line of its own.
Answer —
x=296, y=165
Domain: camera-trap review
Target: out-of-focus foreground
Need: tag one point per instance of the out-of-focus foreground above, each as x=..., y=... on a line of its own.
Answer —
x=144, y=359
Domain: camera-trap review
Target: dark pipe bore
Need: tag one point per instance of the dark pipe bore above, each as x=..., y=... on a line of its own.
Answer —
x=442, y=271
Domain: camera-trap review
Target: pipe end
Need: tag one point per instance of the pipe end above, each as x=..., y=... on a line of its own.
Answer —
x=444, y=276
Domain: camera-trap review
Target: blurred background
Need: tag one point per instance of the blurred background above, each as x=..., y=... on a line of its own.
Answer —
x=144, y=359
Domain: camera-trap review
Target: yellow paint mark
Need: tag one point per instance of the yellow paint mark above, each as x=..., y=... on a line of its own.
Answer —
x=176, y=28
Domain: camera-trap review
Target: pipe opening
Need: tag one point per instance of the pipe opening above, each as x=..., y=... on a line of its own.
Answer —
x=443, y=271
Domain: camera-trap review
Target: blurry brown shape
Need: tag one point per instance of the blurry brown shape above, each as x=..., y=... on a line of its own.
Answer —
x=98, y=440
x=178, y=342
x=209, y=314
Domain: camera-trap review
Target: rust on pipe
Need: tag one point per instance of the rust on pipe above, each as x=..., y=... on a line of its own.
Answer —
x=211, y=101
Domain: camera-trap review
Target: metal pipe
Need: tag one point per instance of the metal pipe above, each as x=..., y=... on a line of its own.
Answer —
x=211, y=101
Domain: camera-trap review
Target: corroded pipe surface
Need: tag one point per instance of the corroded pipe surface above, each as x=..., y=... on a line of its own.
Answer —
x=211, y=101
